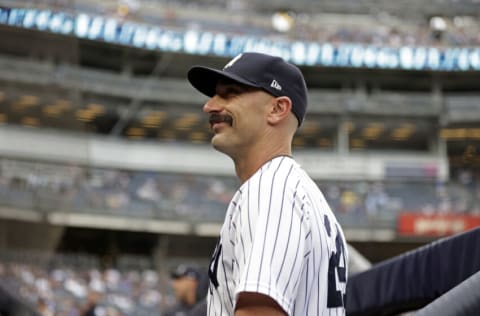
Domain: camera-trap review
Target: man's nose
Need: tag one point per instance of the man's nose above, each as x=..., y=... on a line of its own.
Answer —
x=212, y=105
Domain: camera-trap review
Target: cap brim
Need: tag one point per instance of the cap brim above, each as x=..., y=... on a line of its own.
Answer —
x=205, y=79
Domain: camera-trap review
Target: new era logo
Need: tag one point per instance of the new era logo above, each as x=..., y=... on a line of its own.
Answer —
x=275, y=85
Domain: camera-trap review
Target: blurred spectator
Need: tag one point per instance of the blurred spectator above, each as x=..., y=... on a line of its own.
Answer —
x=187, y=285
x=377, y=200
x=349, y=201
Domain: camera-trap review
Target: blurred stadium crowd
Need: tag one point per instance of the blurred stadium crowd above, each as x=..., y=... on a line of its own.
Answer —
x=381, y=29
x=188, y=197
x=72, y=285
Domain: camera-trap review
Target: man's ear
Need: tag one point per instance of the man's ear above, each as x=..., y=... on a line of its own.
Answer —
x=280, y=109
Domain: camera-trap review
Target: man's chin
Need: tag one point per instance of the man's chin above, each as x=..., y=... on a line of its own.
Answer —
x=219, y=143
x=216, y=143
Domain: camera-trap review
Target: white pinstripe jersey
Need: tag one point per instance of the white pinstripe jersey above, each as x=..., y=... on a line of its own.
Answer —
x=281, y=239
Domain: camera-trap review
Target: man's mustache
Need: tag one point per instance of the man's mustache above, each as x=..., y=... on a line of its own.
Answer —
x=220, y=118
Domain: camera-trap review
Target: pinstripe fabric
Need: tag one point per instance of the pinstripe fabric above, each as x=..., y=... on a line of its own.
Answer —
x=278, y=238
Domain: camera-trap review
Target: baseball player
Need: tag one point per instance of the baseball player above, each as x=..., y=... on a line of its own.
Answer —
x=281, y=250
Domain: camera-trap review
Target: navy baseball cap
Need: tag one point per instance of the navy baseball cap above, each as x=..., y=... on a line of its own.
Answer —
x=185, y=270
x=270, y=73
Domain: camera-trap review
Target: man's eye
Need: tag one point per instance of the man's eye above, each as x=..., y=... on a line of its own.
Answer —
x=228, y=93
x=232, y=91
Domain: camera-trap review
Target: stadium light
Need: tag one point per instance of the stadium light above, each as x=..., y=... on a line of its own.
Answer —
x=153, y=119
x=136, y=132
x=30, y=121
x=85, y=115
x=282, y=21
x=324, y=142
x=438, y=23
x=52, y=110
x=29, y=100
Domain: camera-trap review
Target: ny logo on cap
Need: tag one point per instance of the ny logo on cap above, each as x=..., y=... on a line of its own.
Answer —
x=233, y=61
x=276, y=85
